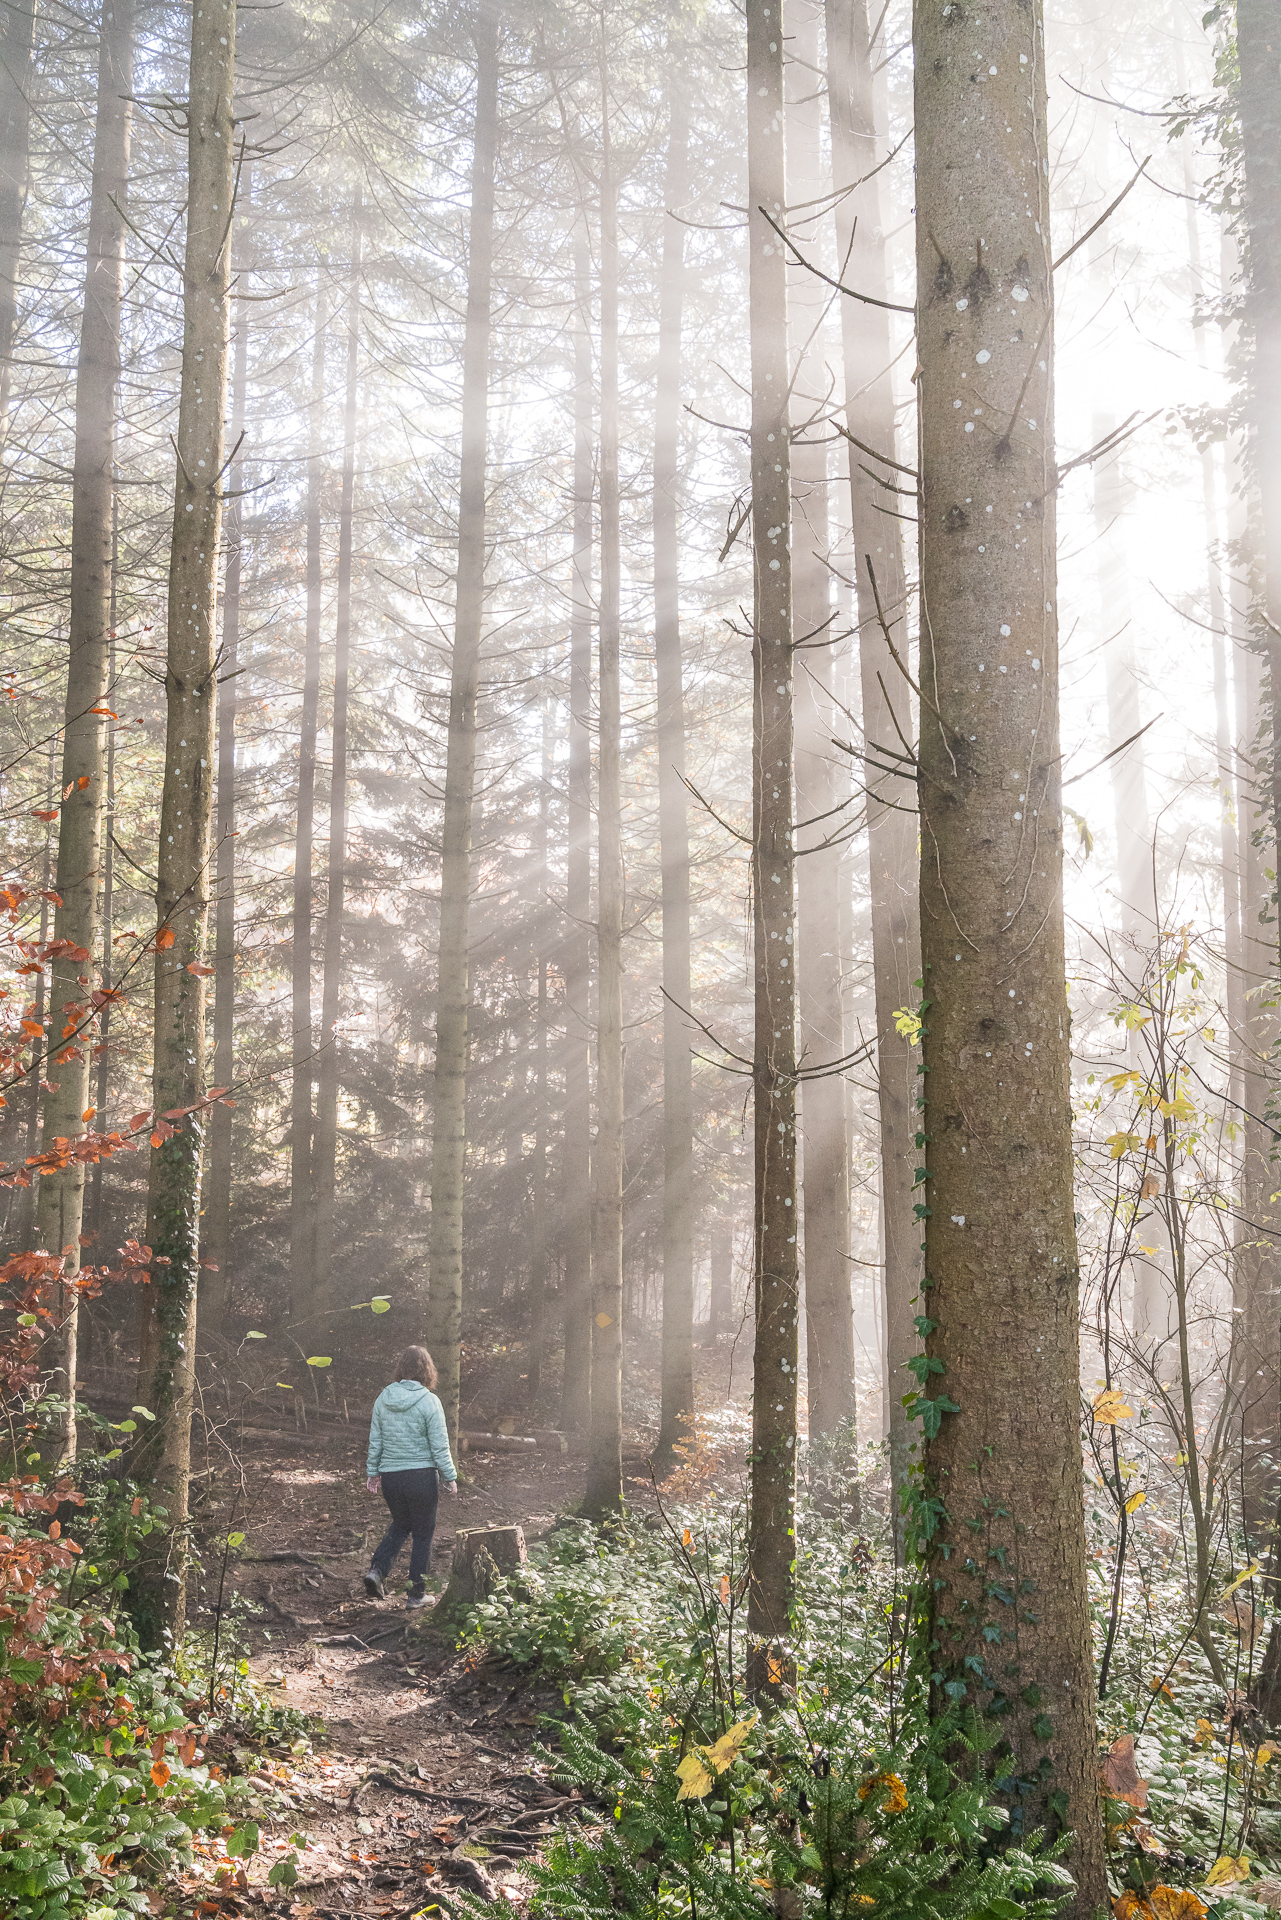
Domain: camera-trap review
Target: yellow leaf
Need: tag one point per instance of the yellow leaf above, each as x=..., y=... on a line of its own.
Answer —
x=1241, y=1579
x=604, y=1320
x=1124, y=1143
x=723, y=1752
x=1204, y=1734
x=895, y=1800
x=1135, y=1501
x=696, y=1781
x=1180, y=1108
x=1120, y=1081
x=1264, y=1755
x=1109, y=1408
x=1227, y=1870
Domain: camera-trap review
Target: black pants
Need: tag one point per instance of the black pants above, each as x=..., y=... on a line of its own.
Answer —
x=411, y=1497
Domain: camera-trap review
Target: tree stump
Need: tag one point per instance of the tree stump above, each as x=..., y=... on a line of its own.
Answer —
x=481, y=1556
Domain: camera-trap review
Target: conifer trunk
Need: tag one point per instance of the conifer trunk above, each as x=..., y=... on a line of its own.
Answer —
x=182, y=899
x=676, y=1416
x=772, y=1513
x=15, y=164
x=453, y=991
x=575, y=1414
x=1000, y=1397
x=216, y=1233
x=820, y=789
x=325, y=1163
x=78, y=874
x=302, y=1239
x=890, y=798
x=1258, y=24
x=604, y=1493
x=539, y=1250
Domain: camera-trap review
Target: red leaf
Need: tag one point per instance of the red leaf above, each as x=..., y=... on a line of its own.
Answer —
x=44, y=813
x=107, y=710
x=194, y=966
x=140, y=1120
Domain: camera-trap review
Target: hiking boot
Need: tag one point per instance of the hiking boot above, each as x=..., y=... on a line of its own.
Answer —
x=416, y=1600
x=374, y=1584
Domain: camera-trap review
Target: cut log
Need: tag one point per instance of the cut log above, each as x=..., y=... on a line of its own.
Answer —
x=481, y=1556
x=550, y=1440
x=497, y=1443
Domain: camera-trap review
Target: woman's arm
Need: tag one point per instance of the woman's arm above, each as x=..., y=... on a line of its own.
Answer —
x=374, y=1458
x=438, y=1441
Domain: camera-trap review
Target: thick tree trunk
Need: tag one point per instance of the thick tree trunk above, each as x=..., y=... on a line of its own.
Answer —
x=1002, y=1463
x=182, y=898
x=15, y=164
x=890, y=797
x=1258, y=41
x=575, y=1409
x=302, y=1238
x=453, y=991
x=106, y=966
x=676, y=1418
x=216, y=1234
x=821, y=788
x=67, y=1108
x=604, y=1493
x=325, y=1157
x=772, y=1515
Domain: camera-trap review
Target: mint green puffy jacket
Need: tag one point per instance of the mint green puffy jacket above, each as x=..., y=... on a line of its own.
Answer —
x=408, y=1430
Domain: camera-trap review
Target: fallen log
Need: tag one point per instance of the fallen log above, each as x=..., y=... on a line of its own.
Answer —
x=497, y=1443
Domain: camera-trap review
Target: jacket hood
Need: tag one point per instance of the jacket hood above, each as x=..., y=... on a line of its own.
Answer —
x=401, y=1395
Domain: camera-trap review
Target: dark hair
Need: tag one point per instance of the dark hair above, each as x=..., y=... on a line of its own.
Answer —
x=415, y=1363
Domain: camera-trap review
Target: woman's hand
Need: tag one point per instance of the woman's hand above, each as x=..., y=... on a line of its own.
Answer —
x=451, y=1486
x=375, y=1483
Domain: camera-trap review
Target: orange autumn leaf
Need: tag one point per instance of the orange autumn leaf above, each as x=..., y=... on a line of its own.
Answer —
x=165, y=939
x=1176, y=1903
x=1128, y=1906
x=724, y=1589
x=159, y=1772
x=895, y=1800
x=201, y=972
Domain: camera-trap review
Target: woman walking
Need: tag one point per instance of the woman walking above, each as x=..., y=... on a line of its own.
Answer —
x=408, y=1457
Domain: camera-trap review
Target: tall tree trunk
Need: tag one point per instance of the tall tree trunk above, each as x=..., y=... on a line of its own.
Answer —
x=106, y=966
x=538, y=1255
x=772, y=1512
x=720, y=1288
x=1258, y=41
x=325, y=1158
x=215, y=1288
x=604, y=1493
x=575, y=1413
x=676, y=1418
x=37, y=1012
x=302, y=1239
x=453, y=992
x=15, y=166
x=159, y=1597
x=890, y=798
x=820, y=790
x=67, y=1109
x=1002, y=1463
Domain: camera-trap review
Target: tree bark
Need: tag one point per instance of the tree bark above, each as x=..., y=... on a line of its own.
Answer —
x=720, y=1302
x=821, y=788
x=453, y=991
x=538, y=1255
x=1258, y=24
x=890, y=798
x=325, y=1162
x=1003, y=1521
x=15, y=164
x=215, y=1287
x=604, y=1494
x=67, y=1108
x=677, y=1412
x=302, y=1238
x=575, y=1411
x=159, y=1591
x=772, y=1510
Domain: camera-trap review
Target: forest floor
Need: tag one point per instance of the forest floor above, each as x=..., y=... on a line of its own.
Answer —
x=417, y=1775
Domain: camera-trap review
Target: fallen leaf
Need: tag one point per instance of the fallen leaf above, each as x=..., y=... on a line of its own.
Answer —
x=1176, y=1903
x=159, y=1772
x=723, y=1752
x=696, y=1781
x=1119, y=1774
x=1227, y=1870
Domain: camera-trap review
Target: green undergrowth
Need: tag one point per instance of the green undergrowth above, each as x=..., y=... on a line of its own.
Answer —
x=844, y=1800
x=104, y=1779
x=847, y=1799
